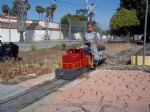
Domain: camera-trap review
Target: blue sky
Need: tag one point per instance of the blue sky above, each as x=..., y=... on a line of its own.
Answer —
x=104, y=9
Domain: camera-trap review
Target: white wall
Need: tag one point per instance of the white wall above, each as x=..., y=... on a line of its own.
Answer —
x=34, y=35
x=29, y=35
x=5, y=35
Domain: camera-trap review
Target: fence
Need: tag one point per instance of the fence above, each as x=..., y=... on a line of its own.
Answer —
x=76, y=29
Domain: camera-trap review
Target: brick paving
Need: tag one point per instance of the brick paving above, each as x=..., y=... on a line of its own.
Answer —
x=106, y=91
x=37, y=81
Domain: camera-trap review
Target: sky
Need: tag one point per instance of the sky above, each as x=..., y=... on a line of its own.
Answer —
x=104, y=9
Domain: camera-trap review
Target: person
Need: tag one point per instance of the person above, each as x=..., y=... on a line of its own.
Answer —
x=1, y=43
x=90, y=40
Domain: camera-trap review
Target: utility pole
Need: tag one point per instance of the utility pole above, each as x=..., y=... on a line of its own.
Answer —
x=145, y=33
x=9, y=25
x=90, y=12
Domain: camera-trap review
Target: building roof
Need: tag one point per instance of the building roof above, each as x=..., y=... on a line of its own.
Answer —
x=6, y=17
x=29, y=26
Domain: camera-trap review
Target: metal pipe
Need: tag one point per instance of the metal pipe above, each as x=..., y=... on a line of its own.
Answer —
x=9, y=26
x=69, y=31
x=60, y=31
x=145, y=33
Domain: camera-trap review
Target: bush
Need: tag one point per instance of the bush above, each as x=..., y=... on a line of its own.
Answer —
x=63, y=47
x=33, y=47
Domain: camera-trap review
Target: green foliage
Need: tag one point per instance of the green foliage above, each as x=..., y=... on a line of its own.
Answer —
x=63, y=46
x=139, y=6
x=78, y=25
x=13, y=11
x=82, y=12
x=5, y=9
x=124, y=18
x=64, y=19
x=33, y=47
x=40, y=10
x=50, y=11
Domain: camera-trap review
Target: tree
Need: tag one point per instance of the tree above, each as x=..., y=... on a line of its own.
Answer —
x=38, y=10
x=65, y=23
x=64, y=19
x=82, y=12
x=139, y=6
x=124, y=18
x=13, y=11
x=14, y=8
x=50, y=11
x=42, y=11
x=5, y=9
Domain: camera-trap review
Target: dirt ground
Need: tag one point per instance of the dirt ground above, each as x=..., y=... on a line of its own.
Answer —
x=39, y=62
x=121, y=60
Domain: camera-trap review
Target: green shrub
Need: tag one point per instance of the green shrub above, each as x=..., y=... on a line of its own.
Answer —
x=63, y=47
x=33, y=47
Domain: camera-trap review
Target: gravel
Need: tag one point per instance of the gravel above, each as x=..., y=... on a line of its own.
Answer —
x=121, y=60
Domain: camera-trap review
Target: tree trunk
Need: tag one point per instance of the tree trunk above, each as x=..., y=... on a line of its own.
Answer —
x=21, y=37
x=41, y=16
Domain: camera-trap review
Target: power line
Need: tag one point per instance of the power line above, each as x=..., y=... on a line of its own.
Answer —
x=58, y=1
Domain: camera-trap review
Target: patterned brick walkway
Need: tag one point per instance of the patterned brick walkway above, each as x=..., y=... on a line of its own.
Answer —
x=106, y=91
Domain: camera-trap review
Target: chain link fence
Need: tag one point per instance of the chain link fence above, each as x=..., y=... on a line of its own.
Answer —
x=76, y=30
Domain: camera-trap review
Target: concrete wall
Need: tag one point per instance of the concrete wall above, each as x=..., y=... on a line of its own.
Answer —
x=35, y=35
x=30, y=35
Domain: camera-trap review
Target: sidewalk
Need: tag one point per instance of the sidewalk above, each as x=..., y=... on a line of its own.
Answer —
x=106, y=91
x=9, y=91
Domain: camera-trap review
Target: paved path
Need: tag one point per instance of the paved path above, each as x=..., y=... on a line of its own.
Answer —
x=106, y=91
x=8, y=91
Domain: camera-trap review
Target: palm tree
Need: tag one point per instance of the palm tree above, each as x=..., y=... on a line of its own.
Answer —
x=14, y=8
x=38, y=10
x=5, y=9
x=14, y=12
x=42, y=11
x=53, y=8
x=50, y=11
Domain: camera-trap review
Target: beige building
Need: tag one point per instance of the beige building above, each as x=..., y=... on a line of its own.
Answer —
x=35, y=30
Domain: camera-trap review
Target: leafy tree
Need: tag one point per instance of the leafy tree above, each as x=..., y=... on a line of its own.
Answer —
x=82, y=12
x=124, y=18
x=5, y=9
x=139, y=6
x=64, y=19
x=65, y=23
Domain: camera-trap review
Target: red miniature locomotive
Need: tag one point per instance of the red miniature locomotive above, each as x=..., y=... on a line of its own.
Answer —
x=76, y=62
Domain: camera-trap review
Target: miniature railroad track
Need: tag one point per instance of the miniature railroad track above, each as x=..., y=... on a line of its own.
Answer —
x=140, y=52
x=26, y=98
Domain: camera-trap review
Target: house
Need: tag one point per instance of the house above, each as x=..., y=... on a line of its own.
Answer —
x=35, y=30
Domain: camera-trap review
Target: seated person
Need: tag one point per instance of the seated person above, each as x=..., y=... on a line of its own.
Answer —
x=1, y=48
x=1, y=43
x=90, y=40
